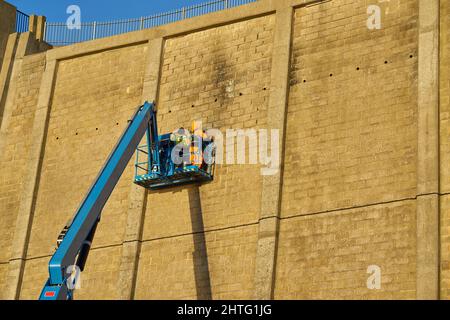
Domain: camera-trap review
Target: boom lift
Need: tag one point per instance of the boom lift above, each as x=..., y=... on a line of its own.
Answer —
x=193, y=163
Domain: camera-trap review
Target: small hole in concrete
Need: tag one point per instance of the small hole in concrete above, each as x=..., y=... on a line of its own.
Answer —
x=57, y=138
x=304, y=81
x=215, y=100
x=386, y=62
x=76, y=133
x=192, y=106
x=170, y=111
x=96, y=129
x=411, y=56
x=240, y=93
x=331, y=74
x=265, y=89
x=357, y=68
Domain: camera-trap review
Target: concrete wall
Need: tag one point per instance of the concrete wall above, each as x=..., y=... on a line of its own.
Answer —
x=358, y=122
x=352, y=142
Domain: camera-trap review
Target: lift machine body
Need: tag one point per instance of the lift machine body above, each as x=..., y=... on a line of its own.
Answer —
x=169, y=161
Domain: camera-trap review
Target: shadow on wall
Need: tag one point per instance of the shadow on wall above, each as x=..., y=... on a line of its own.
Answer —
x=200, y=254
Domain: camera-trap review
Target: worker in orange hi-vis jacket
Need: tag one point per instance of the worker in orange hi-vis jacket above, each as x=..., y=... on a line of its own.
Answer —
x=197, y=143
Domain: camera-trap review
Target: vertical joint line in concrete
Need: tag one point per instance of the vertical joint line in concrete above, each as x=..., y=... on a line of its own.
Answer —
x=138, y=195
x=427, y=278
x=267, y=245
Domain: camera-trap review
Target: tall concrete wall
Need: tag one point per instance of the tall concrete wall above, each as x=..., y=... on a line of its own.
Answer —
x=357, y=114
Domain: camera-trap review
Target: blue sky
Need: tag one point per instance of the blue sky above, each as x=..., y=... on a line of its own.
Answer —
x=99, y=10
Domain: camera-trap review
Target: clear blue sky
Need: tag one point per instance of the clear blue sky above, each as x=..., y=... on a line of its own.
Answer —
x=99, y=10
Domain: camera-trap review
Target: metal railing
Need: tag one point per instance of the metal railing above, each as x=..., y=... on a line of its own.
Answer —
x=22, y=21
x=59, y=34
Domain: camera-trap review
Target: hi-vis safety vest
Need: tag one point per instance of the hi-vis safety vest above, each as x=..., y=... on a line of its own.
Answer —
x=197, y=146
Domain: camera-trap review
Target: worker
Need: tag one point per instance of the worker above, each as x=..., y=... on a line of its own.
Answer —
x=183, y=138
x=197, y=146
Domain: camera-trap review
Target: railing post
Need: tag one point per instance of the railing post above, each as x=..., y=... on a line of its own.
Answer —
x=94, y=30
x=142, y=23
x=184, y=13
x=226, y=4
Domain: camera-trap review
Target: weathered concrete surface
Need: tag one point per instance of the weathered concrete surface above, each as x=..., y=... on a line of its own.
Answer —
x=6, y=71
x=428, y=152
x=29, y=192
x=350, y=161
x=7, y=26
x=19, y=105
x=272, y=184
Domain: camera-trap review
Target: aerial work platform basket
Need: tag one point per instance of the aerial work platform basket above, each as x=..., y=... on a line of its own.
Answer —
x=174, y=160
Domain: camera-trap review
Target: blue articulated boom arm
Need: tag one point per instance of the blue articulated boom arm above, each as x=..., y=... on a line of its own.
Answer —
x=80, y=232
